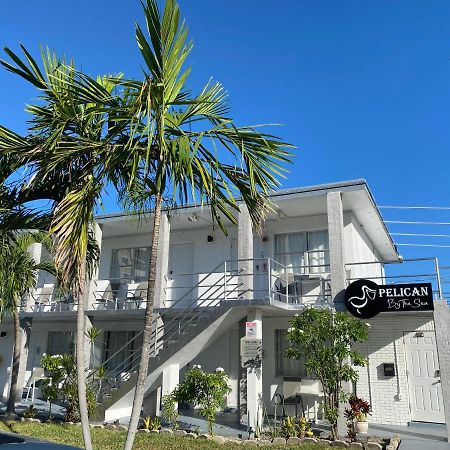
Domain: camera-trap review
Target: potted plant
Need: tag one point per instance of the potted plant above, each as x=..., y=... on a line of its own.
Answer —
x=356, y=415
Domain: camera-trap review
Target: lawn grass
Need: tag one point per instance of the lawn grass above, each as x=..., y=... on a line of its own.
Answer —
x=103, y=439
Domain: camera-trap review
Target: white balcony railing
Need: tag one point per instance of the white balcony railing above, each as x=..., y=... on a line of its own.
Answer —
x=261, y=278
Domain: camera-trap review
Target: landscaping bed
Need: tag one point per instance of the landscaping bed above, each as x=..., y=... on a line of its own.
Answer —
x=113, y=438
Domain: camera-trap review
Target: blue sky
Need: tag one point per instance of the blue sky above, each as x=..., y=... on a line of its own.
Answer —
x=362, y=87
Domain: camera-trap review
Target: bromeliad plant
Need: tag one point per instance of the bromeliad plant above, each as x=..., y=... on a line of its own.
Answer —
x=324, y=339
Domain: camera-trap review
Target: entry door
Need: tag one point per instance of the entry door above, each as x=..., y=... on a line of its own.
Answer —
x=425, y=391
x=180, y=276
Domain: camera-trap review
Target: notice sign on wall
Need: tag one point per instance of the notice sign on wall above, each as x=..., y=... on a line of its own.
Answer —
x=365, y=298
x=250, y=329
x=251, y=352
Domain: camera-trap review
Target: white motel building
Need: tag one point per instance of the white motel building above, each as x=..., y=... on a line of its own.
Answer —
x=214, y=292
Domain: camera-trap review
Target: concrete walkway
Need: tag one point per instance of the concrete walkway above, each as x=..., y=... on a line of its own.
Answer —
x=416, y=436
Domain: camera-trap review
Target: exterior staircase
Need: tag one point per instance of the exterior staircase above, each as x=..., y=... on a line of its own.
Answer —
x=180, y=333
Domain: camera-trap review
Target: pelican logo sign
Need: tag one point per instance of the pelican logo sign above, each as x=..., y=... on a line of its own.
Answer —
x=365, y=298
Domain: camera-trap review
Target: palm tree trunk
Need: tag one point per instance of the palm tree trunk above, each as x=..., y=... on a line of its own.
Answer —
x=10, y=407
x=81, y=357
x=146, y=338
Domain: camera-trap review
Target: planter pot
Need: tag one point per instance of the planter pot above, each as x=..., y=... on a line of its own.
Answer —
x=362, y=427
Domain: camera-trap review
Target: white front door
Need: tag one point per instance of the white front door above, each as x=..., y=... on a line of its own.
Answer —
x=425, y=392
x=180, y=276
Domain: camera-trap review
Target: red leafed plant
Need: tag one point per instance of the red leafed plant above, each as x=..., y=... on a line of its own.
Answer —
x=358, y=410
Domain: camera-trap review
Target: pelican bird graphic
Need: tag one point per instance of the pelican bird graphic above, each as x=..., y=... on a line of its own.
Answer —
x=360, y=302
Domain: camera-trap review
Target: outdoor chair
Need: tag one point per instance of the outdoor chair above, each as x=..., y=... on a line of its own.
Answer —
x=30, y=387
x=43, y=297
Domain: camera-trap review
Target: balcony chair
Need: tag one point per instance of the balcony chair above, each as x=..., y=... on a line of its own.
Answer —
x=104, y=298
x=43, y=298
x=136, y=295
x=36, y=375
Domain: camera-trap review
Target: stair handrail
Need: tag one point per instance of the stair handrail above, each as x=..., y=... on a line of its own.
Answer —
x=198, y=309
x=169, y=332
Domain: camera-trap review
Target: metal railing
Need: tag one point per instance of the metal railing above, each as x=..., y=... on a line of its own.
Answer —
x=403, y=271
x=228, y=281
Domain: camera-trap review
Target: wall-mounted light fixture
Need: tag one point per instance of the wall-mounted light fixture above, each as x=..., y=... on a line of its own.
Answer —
x=210, y=238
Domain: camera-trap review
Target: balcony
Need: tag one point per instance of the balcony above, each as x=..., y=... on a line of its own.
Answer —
x=257, y=279
x=252, y=279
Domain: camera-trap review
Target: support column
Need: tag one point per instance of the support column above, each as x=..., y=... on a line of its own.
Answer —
x=92, y=282
x=442, y=327
x=254, y=379
x=245, y=252
x=25, y=329
x=88, y=324
x=163, y=262
x=170, y=380
x=336, y=244
x=335, y=216
x=35, y=250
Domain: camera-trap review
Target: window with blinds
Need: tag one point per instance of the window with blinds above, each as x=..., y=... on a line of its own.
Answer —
x=130, y=265
x=305, y=252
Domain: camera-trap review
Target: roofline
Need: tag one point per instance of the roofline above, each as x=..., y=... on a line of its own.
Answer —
x=348, y=185
x=281, y=193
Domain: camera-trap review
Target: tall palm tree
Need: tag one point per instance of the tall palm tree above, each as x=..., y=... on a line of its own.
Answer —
x=18, y=277
x=150, y=139
x=187, y=141
x=60, y=153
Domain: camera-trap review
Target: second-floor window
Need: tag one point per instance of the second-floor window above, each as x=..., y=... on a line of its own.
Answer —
x=305, y=252
x=130, y=265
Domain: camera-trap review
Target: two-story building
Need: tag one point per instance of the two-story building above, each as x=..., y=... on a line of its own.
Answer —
x=213, y=290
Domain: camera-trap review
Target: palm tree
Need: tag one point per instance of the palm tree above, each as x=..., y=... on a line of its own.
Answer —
x=60, y=153
x=182, y=136
x=18, y=277
x=149, y=139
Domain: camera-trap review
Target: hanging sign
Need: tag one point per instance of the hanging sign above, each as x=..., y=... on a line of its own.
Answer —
x=365, y=298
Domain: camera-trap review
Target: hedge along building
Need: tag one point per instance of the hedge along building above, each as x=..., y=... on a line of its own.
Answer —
x=214, y=290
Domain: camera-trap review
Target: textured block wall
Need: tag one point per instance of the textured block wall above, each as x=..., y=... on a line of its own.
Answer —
x=389, y=396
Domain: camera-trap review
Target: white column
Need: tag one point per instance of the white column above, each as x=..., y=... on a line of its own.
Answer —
x=92, y=282
x=336, y=243
x=170, y=380
x=163, y=262
x=245, y=252
x=337, y=269
x=25, y=330
x=254, y=379
x=35, y=250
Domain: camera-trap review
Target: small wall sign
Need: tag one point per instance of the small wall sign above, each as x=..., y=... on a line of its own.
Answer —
x=251, y=352
x=365, y=298
x=250, y=329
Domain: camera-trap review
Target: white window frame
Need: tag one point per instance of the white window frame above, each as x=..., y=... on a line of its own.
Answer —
x=306, y=268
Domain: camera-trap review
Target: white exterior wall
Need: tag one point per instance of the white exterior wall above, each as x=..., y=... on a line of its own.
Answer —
x=285, y=225
x=6, y=346
x=359, y=248
x=389, y=396
x=223, y=352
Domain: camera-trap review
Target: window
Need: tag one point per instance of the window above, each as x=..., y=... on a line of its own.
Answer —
x=61, y=343
x=305, y=252
x=121, y=351
x=284, y=366
x=130, y=265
